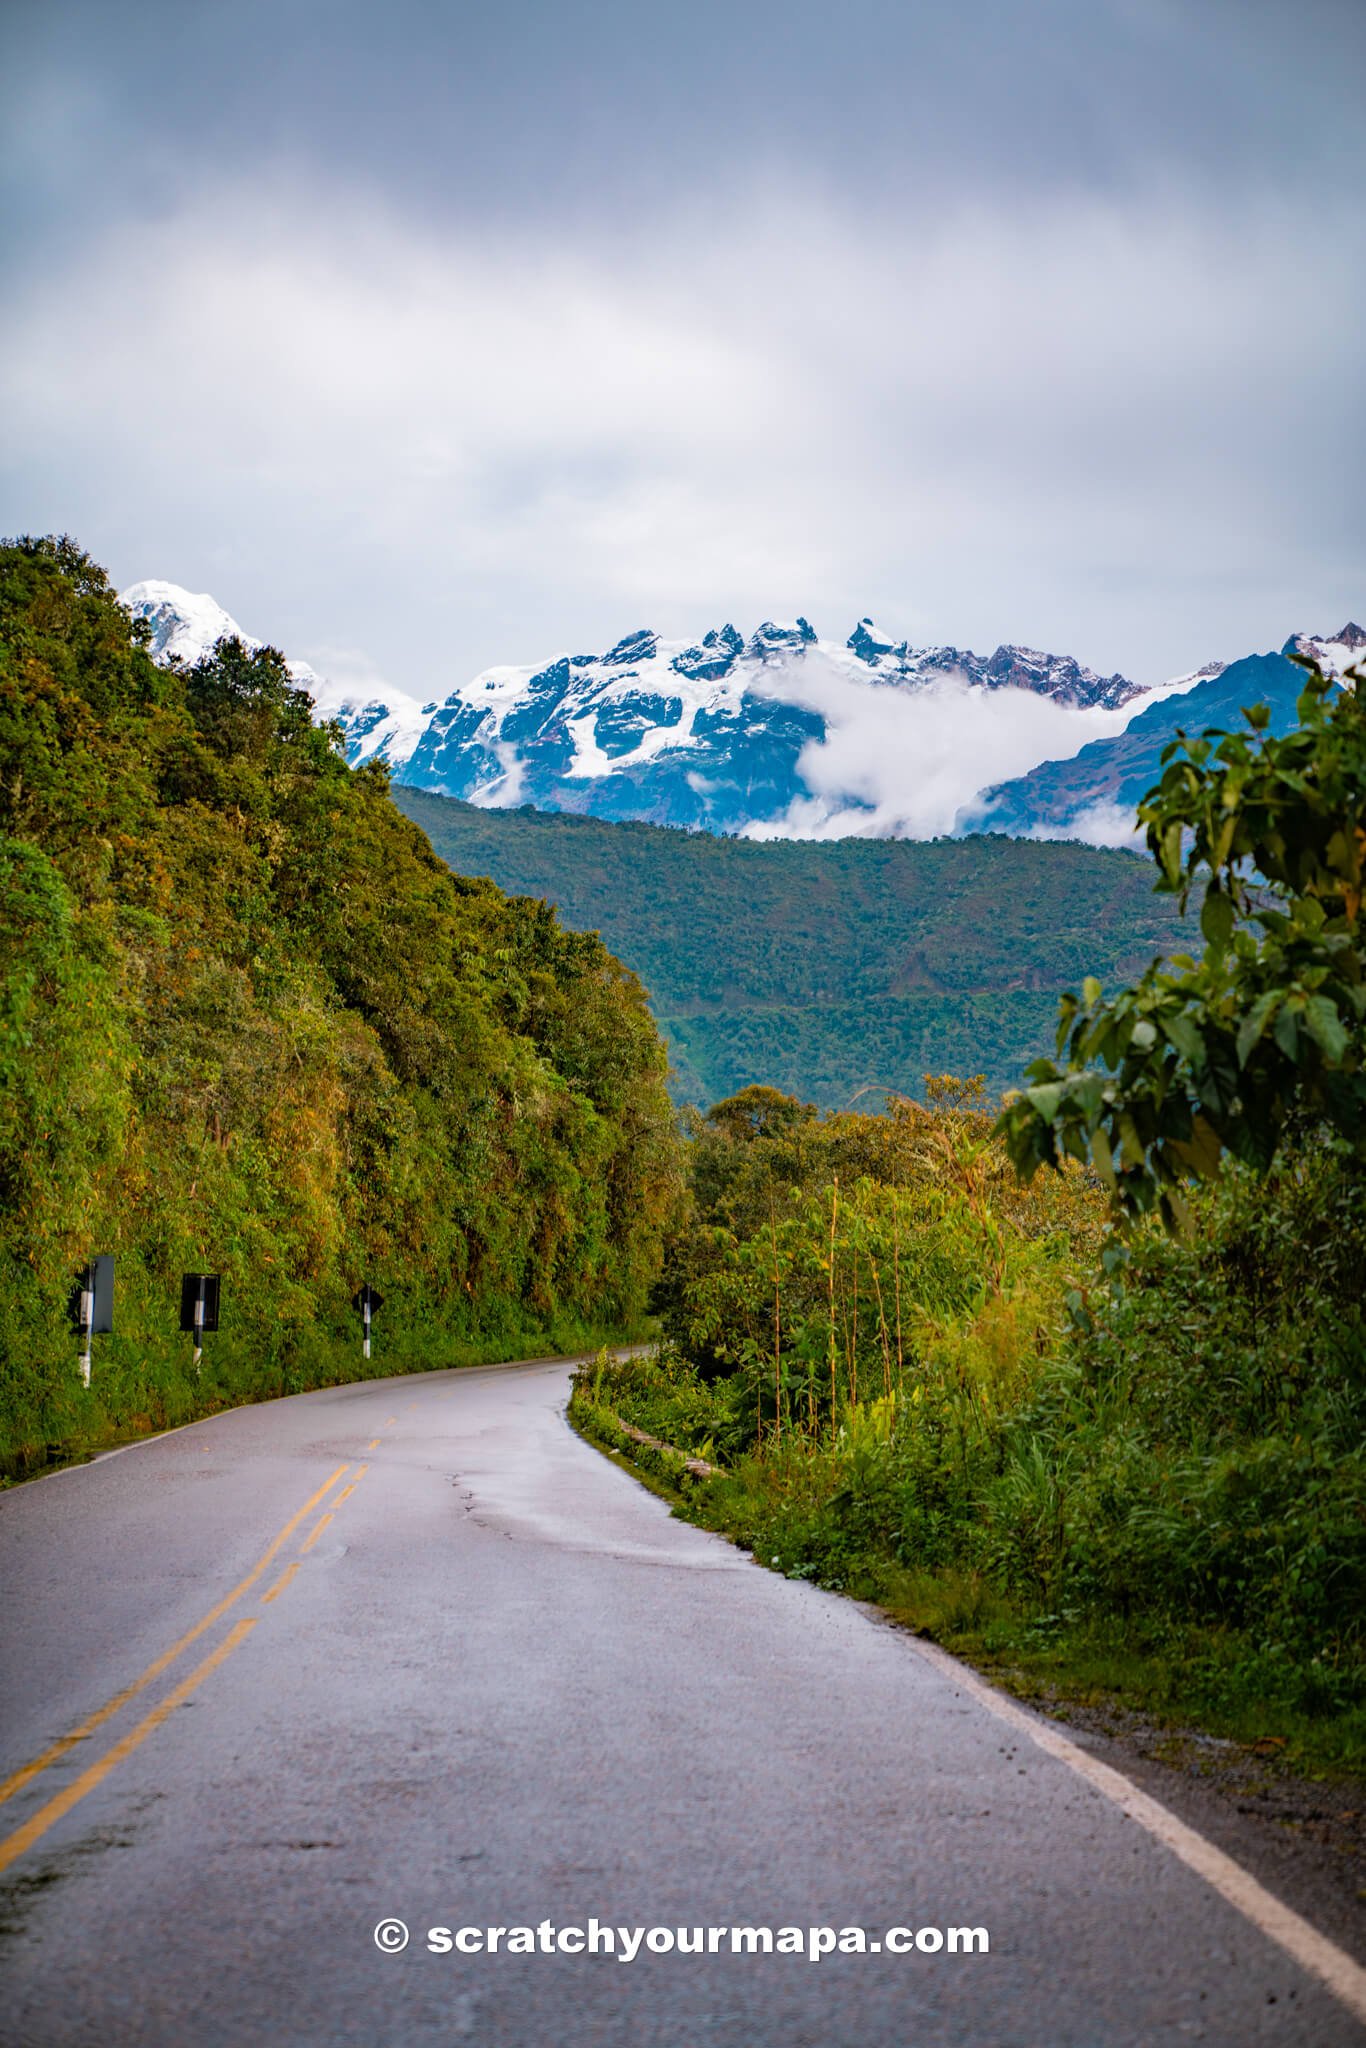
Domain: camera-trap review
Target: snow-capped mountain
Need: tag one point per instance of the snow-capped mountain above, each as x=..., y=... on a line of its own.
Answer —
x=774, y=734
x=1010, y=668
x=778, y=734
x=187, y=625
x=1335, y=655
x=1092, y=795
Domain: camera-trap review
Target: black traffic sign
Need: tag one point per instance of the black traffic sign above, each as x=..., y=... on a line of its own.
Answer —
x=193, y=1288
x=95, y=1281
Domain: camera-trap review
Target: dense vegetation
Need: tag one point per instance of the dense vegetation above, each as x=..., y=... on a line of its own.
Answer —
x=249, y=1023
x=826, y=968
x=1136, y=1456
x=924, y=1387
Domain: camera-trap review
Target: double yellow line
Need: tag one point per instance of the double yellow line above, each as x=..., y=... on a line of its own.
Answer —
x=47, y=1816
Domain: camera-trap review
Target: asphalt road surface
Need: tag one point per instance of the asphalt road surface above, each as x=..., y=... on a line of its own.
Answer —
x=409, y=1650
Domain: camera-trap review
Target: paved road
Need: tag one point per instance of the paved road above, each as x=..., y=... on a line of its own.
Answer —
x=500, y=1686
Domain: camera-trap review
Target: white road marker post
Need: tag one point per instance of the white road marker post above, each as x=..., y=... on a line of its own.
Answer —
x=199, y=1296
x=87, y=1322
x=90, y=1305
x=367, y=1304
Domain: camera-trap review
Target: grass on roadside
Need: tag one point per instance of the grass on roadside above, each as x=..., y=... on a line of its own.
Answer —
x=799, y=1511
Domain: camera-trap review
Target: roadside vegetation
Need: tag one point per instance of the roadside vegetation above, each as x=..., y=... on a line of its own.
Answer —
x=251, y=1025
x=1080, y=1391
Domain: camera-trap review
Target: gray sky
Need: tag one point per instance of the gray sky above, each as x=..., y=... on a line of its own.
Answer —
x=431, y=336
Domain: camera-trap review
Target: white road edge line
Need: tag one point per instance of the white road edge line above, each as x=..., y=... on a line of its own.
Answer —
x=1344, y=1977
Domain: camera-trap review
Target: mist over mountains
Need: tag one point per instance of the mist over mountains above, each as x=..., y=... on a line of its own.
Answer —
x=779, y=733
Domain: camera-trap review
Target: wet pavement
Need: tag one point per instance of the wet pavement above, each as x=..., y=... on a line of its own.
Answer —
x=410, y=1650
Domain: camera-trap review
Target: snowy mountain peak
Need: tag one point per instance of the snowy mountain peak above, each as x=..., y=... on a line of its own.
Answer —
x=187, y=625
x=781, y=734
x=713, y=658
x=184, y=624
x=771, y=639
x=870, y=645
x=1057, y=676
x=638, y=646
x=1333, y=655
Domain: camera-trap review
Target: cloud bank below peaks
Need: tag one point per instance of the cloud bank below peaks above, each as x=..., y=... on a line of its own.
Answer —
x=903, y=761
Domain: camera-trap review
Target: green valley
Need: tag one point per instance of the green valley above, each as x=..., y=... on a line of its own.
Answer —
x=826, y=968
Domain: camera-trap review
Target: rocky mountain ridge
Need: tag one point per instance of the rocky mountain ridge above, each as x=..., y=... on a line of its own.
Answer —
x=1093, y=794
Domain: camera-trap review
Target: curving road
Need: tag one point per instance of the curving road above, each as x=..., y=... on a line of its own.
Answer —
x=409, y=1649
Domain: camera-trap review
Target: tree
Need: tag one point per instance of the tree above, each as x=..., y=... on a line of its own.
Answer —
x=758, y=1112
x=1264, y=1035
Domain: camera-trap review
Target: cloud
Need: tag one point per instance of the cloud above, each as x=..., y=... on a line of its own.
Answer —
x=902, y=763
x=1107, y=430
x=1102, y=824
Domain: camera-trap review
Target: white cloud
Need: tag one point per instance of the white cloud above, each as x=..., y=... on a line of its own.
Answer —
x=1102, y=824
x=1061, y=424
x=903, y=762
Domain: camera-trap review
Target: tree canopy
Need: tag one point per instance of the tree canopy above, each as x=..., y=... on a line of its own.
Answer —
x=249, y=1020
x=1263, y=1036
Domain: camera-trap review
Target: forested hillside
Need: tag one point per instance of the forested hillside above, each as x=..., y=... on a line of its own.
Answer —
x=250, y=1024
x=824, y=968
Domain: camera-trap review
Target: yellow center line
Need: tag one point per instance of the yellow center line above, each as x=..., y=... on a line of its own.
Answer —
x=28, y=1772
x=347, y=1491
x=280, y=1584
x=373, y=1444
x=24, y=1838
x=288, y=1573
x=391, y=1421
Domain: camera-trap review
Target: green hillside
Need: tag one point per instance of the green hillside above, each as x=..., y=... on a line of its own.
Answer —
x=251, y=1025
x=825, y=968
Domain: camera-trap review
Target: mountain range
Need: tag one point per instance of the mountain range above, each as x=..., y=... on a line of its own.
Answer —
x=781, y=734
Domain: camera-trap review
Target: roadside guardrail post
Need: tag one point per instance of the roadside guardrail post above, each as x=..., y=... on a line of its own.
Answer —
x=368, y=1304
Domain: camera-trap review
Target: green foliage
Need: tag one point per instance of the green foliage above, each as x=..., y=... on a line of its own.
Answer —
x=818, y=1256
x=250, y=1022
x=1142, y=1459
x=826, y=968
x=1265, y=1034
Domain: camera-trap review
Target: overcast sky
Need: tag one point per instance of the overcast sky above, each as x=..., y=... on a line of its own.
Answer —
x=429, y=336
